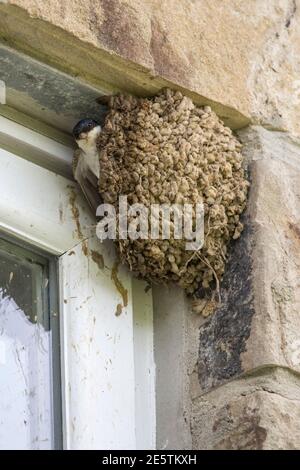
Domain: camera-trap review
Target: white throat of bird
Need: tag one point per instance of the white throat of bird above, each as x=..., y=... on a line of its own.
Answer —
x=88, y=140
x=88, y=144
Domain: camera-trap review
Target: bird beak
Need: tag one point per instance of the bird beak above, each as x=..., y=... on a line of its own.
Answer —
x=83, y=135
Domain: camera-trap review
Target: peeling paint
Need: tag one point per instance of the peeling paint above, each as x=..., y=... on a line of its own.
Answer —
x=98, y=259
x=119, y=310
x=147, y=288
x=75, y=211
x=85, y=248
x=121, y=289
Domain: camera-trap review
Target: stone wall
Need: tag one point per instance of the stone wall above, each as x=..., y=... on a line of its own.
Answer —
x=238, y=371
x=244, y=375
x=242, y=363
x=239, y=56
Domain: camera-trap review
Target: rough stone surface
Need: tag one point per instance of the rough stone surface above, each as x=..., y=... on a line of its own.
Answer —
x=259, y=412
x=275, y=209
x=243, y=56
x=244, y=360
x=258, y=323
x=224, y=336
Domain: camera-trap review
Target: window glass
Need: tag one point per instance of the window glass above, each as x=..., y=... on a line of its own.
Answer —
x=28, y=414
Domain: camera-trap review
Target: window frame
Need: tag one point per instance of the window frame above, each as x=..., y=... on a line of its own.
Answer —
x=22, y=216
x=52, y=262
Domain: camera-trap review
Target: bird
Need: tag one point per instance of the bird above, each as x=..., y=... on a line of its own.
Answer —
x=86, y=165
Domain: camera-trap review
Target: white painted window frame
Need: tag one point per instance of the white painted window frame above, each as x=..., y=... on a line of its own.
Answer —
x=108, y=372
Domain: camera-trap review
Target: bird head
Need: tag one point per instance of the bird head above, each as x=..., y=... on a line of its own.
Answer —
x=86, y=132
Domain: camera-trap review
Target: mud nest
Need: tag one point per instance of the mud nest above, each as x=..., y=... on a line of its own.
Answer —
x=167, y=150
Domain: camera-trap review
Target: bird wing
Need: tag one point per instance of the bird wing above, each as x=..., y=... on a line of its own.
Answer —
x=87, y=181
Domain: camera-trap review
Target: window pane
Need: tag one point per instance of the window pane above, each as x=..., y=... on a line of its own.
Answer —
x=26, y=384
